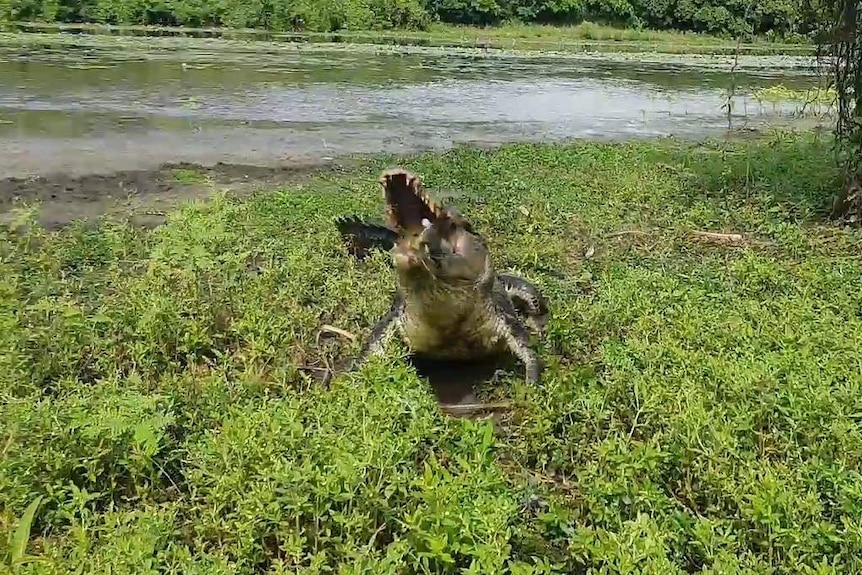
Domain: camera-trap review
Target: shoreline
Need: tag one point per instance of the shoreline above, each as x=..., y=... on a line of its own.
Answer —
x=643, y=52
x=145, y=195
x=571, y=39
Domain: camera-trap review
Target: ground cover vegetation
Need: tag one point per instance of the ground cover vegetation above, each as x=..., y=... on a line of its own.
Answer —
x=782, y=19
x=700, y=413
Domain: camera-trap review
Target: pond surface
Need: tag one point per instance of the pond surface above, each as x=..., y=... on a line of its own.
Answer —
x=88, y=104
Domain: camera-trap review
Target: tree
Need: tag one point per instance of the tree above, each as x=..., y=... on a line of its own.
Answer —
x=840, y=48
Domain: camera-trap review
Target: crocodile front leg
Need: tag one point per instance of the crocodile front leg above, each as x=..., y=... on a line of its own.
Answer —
x=385, y=329
x=381, y=334
x=517, y=339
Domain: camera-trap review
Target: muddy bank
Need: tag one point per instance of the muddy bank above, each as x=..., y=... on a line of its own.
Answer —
x=143, y=195
x=146, y=195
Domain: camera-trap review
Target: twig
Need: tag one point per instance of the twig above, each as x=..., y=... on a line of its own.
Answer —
x=731, y=92
x=556, y=480
x=326, y=328
x=468, y=408
x=8, y=445
x=719, y=237
x=166, y=474
x=329, y=370
x=628, y=233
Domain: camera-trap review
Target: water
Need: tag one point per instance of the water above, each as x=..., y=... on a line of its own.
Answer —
x=88, y=104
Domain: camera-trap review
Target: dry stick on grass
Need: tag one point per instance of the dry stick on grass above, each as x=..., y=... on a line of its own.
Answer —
x=719, y=237
x=468, y=408
x=628, y=233
x=326, y=328
x=557, y=481
x=715, y=237
x=736, y=239
x=329, y=370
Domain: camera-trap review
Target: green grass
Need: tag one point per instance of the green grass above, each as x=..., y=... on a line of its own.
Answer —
x=591, y=36
x=586, y=36
x=702, y=416
x=594, y=32
x=188, y=176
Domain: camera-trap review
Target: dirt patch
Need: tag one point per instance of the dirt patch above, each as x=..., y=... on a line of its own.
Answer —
x=142, y=194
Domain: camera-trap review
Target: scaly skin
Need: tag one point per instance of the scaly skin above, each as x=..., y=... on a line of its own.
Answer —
x=451, y=304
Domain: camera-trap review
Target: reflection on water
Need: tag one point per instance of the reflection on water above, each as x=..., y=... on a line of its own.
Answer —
x=104, y=104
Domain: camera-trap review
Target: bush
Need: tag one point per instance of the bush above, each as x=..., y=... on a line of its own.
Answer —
x=775, y=18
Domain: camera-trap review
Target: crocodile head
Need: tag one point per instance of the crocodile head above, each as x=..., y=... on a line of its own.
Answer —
x=408, y=204
x=441, y=252
x=436, y=243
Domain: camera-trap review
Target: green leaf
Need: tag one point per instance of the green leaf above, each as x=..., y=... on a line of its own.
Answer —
x=19, y=539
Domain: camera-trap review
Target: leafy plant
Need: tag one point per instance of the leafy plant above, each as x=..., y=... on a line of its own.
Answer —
x=17, y=545
x=698, y=413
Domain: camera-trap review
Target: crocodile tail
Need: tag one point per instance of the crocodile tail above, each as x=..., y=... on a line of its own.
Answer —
x=359, y=237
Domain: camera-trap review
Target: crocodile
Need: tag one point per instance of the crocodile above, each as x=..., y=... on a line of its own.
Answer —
x=451, y=304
